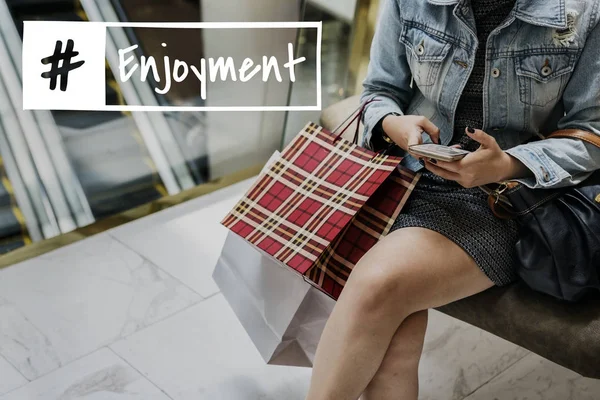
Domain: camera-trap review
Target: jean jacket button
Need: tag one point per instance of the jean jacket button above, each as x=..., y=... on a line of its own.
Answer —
x=546, y=70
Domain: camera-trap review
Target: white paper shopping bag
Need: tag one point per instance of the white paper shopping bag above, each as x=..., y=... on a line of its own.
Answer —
x=283, y=315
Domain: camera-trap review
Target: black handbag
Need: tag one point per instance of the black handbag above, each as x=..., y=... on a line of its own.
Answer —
x=558, y=250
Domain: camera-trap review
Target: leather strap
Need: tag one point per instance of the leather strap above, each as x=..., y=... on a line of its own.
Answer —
x=499, y=209
x=577, y=134
x=503, y=212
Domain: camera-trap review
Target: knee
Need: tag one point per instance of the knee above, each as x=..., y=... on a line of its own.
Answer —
x=382, y=288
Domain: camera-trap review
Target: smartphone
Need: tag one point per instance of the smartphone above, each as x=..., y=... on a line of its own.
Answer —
x=438, y=152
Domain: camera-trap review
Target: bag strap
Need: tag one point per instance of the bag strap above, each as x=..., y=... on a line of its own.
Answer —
x=356, y=116
x=496, y=200
x=577, y=134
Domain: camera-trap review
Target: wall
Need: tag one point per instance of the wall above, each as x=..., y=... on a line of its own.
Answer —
x=343, y=9
x=238, y=140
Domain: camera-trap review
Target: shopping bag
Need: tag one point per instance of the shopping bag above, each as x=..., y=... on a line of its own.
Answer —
x=310, y=205
x=283, y=315
x=372, y=222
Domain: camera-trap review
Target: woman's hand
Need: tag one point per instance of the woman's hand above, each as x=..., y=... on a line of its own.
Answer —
x=406, y=130
x=487, y=165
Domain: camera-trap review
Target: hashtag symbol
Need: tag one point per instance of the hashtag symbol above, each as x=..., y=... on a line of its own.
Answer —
x=56, y=69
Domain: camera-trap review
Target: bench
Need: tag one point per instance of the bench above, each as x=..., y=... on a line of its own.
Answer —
x=567, y=334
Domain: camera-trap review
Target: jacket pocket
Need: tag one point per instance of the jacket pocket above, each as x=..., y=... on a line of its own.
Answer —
x=543, y=77
x=425, y=53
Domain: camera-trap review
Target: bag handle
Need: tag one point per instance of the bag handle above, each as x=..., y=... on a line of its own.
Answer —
x=356, y=116
x=500, y=209
x=496, y=200
x=577, y=134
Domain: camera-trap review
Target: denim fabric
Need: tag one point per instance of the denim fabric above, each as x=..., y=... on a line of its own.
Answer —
x=542, y=74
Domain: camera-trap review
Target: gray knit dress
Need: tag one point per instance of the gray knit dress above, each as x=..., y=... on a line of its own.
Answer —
x=460, y=214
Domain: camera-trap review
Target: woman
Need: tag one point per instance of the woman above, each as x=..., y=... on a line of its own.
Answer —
x=536, y=71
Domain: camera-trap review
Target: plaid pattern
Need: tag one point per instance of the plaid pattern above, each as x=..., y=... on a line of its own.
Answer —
x=312, y=193
x=370, y=224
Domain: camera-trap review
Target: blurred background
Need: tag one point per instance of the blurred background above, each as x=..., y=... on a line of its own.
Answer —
x=81, y=172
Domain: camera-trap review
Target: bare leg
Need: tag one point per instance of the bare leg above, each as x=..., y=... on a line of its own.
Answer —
x=397, y=377
x=411, y=270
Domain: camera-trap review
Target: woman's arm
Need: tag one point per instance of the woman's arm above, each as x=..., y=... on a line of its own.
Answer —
x=388, y=77
x=564, y=162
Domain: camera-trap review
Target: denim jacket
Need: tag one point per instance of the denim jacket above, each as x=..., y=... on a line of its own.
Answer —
x=542, y=75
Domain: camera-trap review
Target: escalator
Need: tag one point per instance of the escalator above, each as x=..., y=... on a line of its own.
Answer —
x=13, y=231
x=105, y=162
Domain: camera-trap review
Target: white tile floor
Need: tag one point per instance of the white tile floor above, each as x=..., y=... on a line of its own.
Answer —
x=101, y=375
x=10, y=378
x=204, y=353
x=66, y=304
x=134, y=314
x=534, y=378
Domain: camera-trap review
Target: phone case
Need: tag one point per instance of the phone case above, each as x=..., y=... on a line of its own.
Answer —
x=438, y=152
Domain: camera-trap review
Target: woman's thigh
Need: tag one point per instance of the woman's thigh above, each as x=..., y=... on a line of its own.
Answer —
x=416, y=269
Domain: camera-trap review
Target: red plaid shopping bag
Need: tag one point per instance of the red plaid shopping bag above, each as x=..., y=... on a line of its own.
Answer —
x=372, y=222
x=306, y=209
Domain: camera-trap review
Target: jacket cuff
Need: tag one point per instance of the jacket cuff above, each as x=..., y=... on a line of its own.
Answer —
x=373, y=115
x=546, y=173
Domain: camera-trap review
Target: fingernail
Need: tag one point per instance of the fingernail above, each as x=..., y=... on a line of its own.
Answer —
x=471, y=130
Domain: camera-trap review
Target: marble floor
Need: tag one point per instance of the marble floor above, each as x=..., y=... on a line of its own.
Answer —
x=133, y=313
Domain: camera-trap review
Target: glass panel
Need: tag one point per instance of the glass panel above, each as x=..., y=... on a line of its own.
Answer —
x=238, y=139
x=62, y=170
x=338, y=24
